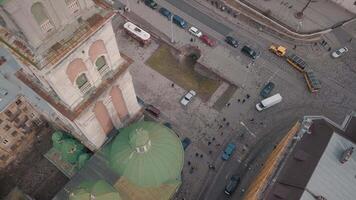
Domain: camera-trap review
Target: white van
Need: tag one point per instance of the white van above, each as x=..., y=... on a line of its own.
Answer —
x=268, y=102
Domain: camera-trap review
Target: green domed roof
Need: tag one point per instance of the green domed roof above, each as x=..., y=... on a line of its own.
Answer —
x=99, y=190
x=147, y=153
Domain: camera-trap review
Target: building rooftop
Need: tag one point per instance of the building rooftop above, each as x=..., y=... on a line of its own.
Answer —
x=312, y=168
x=8, y=92
x=72, y=36
x=143, y=162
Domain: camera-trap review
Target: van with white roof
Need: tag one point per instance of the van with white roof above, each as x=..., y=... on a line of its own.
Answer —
x=268, y=102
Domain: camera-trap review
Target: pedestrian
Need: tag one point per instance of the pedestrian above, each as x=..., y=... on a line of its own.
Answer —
x=191, y=39
x=350, y=40
x=222, y=133
x=209, y=143
x=295, y=47
x=220, y=126
x=227, y=123
x=243, y=100
x=228, y=104
x=224, y=119
x=172, y=85
x=247, y=96
x=213, y=138
x=238, y=100
x=201, y=155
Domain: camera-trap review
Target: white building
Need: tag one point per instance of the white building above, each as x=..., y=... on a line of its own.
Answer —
x=73, y=61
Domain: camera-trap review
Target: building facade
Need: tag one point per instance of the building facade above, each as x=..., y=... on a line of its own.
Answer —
x=19, y=123
x=73, y=61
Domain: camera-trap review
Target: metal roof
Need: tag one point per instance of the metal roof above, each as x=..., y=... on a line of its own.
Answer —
x=119, y=164
x=312, y=167
x=331, y=178
x=147, y=153
x=9, y=92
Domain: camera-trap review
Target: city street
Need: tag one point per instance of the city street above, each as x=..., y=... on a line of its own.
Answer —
x=207, y=127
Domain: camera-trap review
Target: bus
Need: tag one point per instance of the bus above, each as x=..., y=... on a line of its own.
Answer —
x=297, y=62
x=137, y=33
x=312, y=82
x=180, y=21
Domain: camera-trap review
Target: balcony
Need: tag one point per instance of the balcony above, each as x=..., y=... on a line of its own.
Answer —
x=73, y=6
x=85, y=88
x=104, y=70
x=46, y=26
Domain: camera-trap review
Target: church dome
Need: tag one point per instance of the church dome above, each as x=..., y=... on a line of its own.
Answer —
x=148, y=154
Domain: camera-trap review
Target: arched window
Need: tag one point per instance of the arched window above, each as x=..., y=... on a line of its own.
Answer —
x=39, y=13
x=81, y=80
x=100, y=62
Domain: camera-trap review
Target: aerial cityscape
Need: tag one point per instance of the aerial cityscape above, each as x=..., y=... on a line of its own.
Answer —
x=177, y=99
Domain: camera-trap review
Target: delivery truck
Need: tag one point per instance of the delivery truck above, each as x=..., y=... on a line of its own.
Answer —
x=268, y=102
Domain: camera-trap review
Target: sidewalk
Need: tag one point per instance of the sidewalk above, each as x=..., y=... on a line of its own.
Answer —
x=319, y=15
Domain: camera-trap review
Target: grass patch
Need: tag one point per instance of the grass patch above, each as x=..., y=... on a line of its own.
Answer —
x=225, y=97
x=182, y=73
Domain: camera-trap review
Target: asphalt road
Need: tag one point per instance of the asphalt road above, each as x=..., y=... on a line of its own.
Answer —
x=335, y=100
x=200, y=16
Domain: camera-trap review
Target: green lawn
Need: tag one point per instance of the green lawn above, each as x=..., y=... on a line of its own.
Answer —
x=182, y=73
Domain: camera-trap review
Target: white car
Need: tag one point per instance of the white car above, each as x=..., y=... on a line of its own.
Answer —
x=339, y=52
x=188, y=97
x=194, y=31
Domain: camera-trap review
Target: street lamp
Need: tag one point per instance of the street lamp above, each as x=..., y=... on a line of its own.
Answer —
x=172, y=39
x=248, y=130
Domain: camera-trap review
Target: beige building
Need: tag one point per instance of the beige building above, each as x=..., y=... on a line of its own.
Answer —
x=19, y=123
x=73, y=61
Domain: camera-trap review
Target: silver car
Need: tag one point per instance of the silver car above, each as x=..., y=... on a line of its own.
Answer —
x=339, y=52
x=188, y=97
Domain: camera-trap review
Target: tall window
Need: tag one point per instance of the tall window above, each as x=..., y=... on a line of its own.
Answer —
x=39, y=13
x=81, y=80
x=100, y=62
x=101, y=65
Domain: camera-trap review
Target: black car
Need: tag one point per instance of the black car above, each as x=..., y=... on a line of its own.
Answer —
x=232, y=185
x=151, y=3
x=165, y=12
x=267, y=89
x=232, y=41
x=186, y=142
x=249, y=52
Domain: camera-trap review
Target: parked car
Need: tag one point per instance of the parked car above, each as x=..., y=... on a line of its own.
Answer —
x=232, y=185
x=194, y=31
x=207, y=40
x=339, y=52
x=168, y=125
x=151, y=3
x=188, y=97
x=232, y=41
x=3, y=92
x=186, y=142
x=249, y=52
x=153, y=111
x=228, y=151
x=180, y=21
x=267, y=89
x=165, y=12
